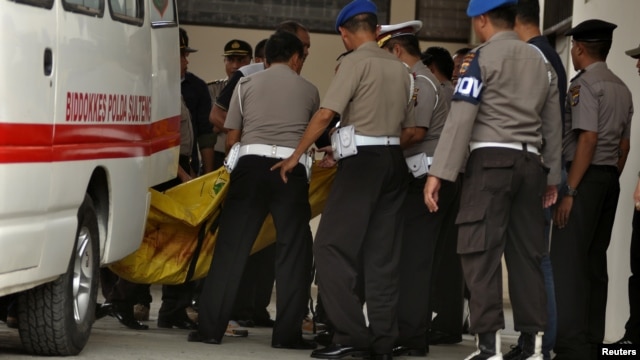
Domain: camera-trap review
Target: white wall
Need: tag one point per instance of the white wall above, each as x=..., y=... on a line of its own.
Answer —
x=624, y=14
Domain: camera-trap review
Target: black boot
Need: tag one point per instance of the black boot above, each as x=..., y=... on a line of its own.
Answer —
x=531, y=347
x=488, y=345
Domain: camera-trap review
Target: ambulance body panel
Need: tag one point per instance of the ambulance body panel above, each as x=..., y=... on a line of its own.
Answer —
x=89, y=120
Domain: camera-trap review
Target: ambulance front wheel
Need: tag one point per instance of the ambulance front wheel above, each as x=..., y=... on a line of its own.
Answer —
x=56, y=318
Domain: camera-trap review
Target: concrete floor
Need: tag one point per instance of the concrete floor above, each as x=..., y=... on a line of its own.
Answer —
x=110, y=340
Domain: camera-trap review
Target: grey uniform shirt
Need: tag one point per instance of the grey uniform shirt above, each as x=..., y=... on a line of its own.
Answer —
x=506, y=93
x=430, y=109
x=598, y=101
x=214, y=90
x=272, y=107
x=372, y=90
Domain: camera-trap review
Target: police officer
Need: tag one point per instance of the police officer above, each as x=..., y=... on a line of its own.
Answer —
x=268, y=124
x=237, y=53
x=595, y=144
x=421, y=228
x=528, y=29
x=632, y=327
x=196, y=95
x=446, y=297
x=359, y=236
x=504, y=107
x=177, y=298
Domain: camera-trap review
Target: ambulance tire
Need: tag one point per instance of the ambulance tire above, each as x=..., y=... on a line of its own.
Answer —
x=56, y=318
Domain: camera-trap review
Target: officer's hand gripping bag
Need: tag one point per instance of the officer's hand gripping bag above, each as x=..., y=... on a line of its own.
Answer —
x=178, y=216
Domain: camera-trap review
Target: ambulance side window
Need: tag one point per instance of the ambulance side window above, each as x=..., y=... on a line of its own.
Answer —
x=47, y=4
x=88, y=7
x=127, y=11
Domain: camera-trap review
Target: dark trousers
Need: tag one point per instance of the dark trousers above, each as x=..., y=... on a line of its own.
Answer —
x=256, y=286
x=447, y=290
x=633, y=324
x=501, y=213
x=254, y=192
x=118, y=290
x=358, y=244
x=422, y=230
x=175, y=300
x=218, y=159
x=582, y=283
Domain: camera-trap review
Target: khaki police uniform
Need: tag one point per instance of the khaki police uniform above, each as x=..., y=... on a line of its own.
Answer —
x=597, y=101
x=447, y=289
x=421, y=228
x=357, y=245
x=277, y=119
x=504, y=107
x=215, y=88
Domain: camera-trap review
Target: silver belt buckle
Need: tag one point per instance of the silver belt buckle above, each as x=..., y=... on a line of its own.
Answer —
x=274, y=151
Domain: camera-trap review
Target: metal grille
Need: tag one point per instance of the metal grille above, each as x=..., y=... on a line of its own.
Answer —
x=316, y=15
x=444, y=20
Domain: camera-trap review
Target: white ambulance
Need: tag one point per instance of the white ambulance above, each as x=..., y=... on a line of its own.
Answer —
x=89, y=120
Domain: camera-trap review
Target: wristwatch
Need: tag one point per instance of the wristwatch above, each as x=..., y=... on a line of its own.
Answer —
x=571, y=191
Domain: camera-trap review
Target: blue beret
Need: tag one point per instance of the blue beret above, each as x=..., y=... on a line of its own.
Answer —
x=354, y=8
x=479, y=7
x=593, y=30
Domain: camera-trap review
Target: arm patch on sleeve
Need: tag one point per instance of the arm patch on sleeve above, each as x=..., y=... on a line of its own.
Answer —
x=469, y=87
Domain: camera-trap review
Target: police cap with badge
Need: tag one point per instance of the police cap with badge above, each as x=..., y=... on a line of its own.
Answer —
x=184, y=42
x=593, y=30
x=388, y=32
x=356, y=7
x=237, y=48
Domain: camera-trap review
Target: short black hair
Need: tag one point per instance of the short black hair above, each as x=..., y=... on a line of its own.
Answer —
x=291, y=27
x=597, y=50
x=259, y=50
x=462, y=51
x=440, y=58
x=408, y=42
x=367, y=22
x=503, y=16
x=528, y=12
x=281, y=46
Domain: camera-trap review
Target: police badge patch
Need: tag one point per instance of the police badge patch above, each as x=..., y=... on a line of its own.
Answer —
x=574, y=93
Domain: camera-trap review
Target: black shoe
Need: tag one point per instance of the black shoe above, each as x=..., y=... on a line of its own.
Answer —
x=440, y=338
x=268, y=322
x=298, y=345
x=124, y=314
x=513, y=354
x=625, y=341
x=337, y=351
x=103, y=310
x=179, y=320
x=194, y=336
x=324, y=338
x=402, y=350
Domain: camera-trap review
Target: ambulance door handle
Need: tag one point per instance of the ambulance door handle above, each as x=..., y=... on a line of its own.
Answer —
x=48, y=62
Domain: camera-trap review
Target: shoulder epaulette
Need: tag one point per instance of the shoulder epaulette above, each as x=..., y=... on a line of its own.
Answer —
x=219, y=81
x=578, y=75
